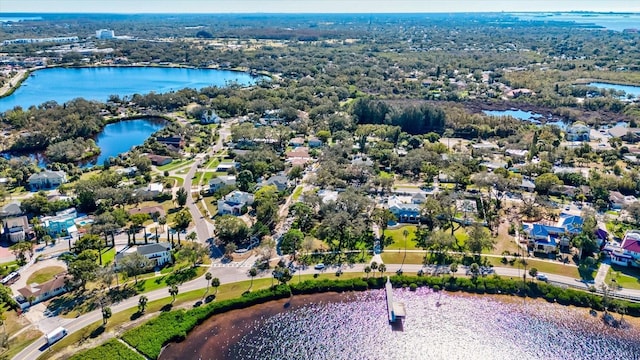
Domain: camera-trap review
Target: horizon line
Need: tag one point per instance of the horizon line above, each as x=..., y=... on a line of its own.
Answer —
x=8, y=14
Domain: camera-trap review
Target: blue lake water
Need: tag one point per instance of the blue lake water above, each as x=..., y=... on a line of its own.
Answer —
x=64, y=84
x=529, y=116
x=617, y=22
x=437, y=326
x=115, y=139
x=629, y=89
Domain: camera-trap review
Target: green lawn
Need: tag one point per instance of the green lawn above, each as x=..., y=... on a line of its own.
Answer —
x=179, y=180
x=395, y=257
x=213, y=163
x=398, y=238
x=627, y=278
x=108, y=255
x=297, y=192
x=542, y=266
x=175, y=165
x=45, y=274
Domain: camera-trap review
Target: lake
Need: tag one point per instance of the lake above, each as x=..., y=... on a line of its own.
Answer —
x=114, y=139
x=518, y=114
x=438, y=326
x=611, y=21
x=628, y=89
x=97, y=83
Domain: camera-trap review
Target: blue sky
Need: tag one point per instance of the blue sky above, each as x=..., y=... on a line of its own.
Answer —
x=312, y=6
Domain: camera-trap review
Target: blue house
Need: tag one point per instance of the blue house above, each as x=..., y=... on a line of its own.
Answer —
x=546, y=238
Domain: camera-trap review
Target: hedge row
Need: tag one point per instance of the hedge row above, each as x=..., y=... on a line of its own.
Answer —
x=112, y=349
x=173, y=326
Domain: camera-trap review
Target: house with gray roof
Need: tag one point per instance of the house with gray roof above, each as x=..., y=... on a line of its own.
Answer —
x=47, y=180
x=158, y=253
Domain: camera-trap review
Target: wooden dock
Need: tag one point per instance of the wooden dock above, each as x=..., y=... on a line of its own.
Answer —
x=395, y=310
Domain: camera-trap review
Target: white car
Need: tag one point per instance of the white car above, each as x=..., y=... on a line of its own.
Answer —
x=542, y=277
x=319, y=266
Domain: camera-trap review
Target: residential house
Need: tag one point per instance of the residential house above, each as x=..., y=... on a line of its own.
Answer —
x=158, y=253
x=17, y=229
x=617, y=201
x=11, y=209
x=159, y=160
x=62, y=223
x=527, y=185
x=578, y=131
x=628, y=253
x=404, y=209
x=624, y=132
x=299, y=156
x=315, y=142
x=42, y=292
x=128, y=171
x=327, y=196
x=47, y=180
x=220, y=182
x=153, y=211
x=547, y=238
x=234, y=202
x=150, y=191
x=227, y=167
x=281, y=182
x=175, y=141
x=517, y=155
x=360, y=161
x=210, y=117
x=296, y=142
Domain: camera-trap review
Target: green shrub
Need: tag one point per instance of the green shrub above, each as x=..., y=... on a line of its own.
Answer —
x=413, y=286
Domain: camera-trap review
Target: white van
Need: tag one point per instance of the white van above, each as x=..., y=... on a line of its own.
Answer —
x=56, y=335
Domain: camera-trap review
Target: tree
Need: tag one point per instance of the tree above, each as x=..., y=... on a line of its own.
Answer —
x=181, y=221
x=208, y=277
x=135, y=264
x=83, y=268
x=374, y=266
x=20, y=249
x=252, y=273
x=106, y=314
x=295, y=173
x=546, y=182
x=282, y=274
x=453, y=268
x=244, y=180
x=291, y=241
x=88, y=242
x=173, y=291
x=479, y=239
x=142, y=303
x=382, y=217
x=382, y=268
x=193, y=252
x=192, y=236
x=474, y=269
x=367, y=270
x=181, y=197
x=230, y=229
x=533, y=272
x=215, y=282
x=106, y=276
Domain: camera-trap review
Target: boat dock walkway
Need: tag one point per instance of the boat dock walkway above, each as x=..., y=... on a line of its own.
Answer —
x=395, y=310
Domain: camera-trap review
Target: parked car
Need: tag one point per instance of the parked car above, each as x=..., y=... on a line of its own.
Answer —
x=319, y=266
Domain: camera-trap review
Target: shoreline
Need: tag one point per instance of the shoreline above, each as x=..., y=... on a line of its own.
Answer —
x=10, y=87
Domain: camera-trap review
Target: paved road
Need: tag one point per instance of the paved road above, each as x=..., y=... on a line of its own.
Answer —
x=234, y=272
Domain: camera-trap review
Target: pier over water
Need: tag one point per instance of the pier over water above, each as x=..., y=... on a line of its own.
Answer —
x=395, y=310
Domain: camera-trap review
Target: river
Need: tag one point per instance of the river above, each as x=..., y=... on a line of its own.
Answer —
x=97, y=83
x=438, y=326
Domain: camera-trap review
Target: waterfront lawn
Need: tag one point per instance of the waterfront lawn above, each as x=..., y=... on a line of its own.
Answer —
x=396, y=257
x=45, y=274
x=112, y=349
x=627, y=278
x=398, y=238
x=108, y=255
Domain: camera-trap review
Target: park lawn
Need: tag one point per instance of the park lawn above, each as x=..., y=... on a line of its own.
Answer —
x=398, y=238
x=395, y=257
x=45, y=274
x=8, y=267
x=213, y=163
x=158, y=282
x=108, y=255
x=177, y=180
x=627, y=278
x=542, y=266
x=112, y=349
x=175, y=164
x=206, y=177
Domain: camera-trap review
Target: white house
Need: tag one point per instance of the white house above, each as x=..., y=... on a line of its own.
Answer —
x=210, y=117
x=628, y=254
x=47, y=180
x=42, y=292
x=234, y=202
x=405, y=208
x=158, y=253
x=221, y=181
x=226, y=167
x=578, y=132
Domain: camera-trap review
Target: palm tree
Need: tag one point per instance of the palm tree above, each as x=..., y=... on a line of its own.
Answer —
x=374, y=266
x=367, y=270
x=252, y=272
x=215, y=282
x=173, y=291
x=382, y=268
x=208, y=277
x=106, y=314
x=533, y=272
